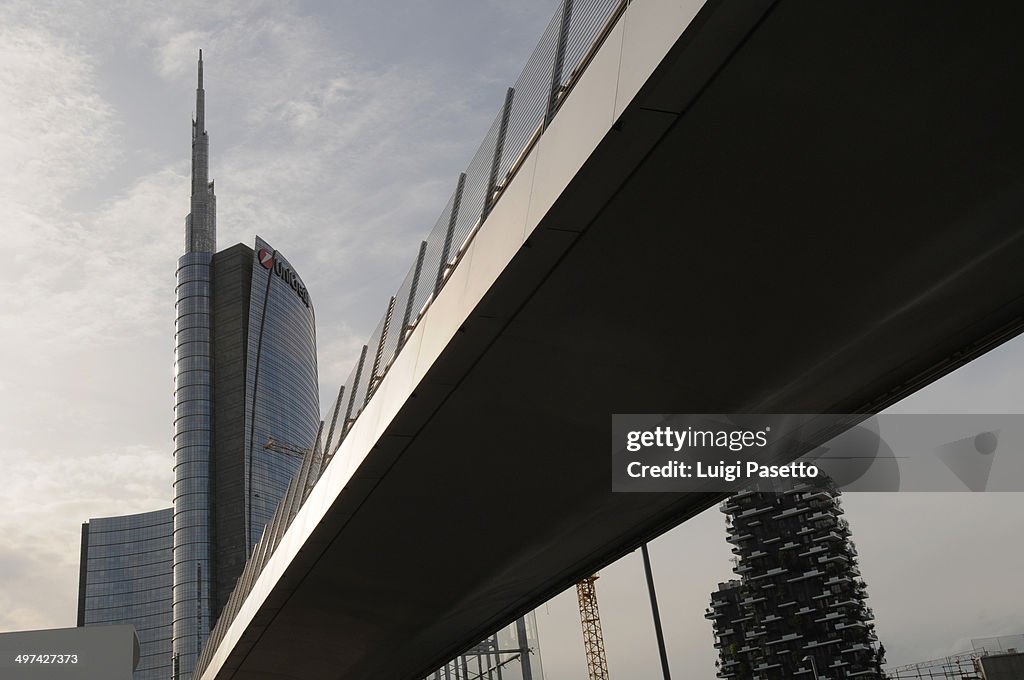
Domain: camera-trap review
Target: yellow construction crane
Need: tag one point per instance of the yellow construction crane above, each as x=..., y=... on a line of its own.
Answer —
x=593, y=638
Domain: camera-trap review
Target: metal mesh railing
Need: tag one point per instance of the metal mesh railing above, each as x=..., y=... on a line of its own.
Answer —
x=574, y=33
x=474, y=191
x=589, y=20
x=299, y=487
x=531, y=98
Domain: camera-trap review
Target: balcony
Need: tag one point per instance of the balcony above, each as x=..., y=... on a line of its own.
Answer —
x=806, y=575
x=813, y=551
x=826, y=643
x=860, y=646
x=771, y=572
x=737, y=539
x=764, y=666
x=791, y=512
x=788, y=637
x=753, y=512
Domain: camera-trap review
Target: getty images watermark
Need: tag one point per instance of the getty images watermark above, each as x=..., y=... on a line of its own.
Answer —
x=898, y=452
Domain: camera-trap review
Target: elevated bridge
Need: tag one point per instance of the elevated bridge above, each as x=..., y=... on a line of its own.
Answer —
x=730, y=206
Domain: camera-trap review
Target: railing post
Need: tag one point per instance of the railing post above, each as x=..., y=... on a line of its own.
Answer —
x=446, y=249
x=407, y=317
x=328, y=449
x=309, y=477
x=355, y=389
x=281, y=518
x=379, y=356
x=559, y=61
x=492, y=181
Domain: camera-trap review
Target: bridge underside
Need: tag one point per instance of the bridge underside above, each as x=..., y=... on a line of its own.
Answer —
x=810, y=207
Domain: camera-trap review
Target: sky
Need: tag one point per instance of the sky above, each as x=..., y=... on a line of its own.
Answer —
x=337, y=134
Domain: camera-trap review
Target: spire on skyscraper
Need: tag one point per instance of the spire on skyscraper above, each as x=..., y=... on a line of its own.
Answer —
x=199, y=124
x=201, y=223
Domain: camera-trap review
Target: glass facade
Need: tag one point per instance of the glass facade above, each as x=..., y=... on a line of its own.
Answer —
x=246, y=407
x=193, y=410
x=282, y=394
x=126, y=578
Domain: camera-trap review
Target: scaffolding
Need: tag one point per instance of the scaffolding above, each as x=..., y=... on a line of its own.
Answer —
x=961, y=666
x=513, y=653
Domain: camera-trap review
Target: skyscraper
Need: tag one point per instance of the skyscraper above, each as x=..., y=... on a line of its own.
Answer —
x=798, y=608
x=125, y=577
x=245, y=374
x=245, y=377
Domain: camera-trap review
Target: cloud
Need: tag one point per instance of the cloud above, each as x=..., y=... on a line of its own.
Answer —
x=45, y=499
x=80, y=277
x=57, y=128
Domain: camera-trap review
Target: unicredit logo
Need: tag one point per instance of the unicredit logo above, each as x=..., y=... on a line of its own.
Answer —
x=266, y=258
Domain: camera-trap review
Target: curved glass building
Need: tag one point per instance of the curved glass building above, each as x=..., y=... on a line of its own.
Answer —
x=283, y=403
x=246, y=404
x=193, y=426
x=125, y=577
x=193, y=409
